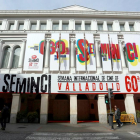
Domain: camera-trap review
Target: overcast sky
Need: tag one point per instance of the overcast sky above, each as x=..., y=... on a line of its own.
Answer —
x=108, y=5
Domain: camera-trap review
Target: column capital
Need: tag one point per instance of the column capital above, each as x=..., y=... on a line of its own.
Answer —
x=72, y=40
x=97, y=41
x=48, y=39
x=73, y=95
x=120, y=41
x=101, y=95
x=24, y=40
x=130, y=95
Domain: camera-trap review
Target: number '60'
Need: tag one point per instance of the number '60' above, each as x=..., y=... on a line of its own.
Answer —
x=131, y=83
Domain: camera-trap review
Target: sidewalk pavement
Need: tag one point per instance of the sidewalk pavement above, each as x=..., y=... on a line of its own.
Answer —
x=70, y=128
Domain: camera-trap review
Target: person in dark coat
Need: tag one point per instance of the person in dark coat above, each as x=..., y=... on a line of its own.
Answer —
x=4, y=115
x=117, y=116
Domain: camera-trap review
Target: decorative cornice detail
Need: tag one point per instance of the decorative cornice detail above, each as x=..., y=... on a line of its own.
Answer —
x=40, y=13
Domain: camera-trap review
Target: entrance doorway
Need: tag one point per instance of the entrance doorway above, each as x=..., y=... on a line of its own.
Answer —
x=61, y=108
x=83, y=107
x=118, y=101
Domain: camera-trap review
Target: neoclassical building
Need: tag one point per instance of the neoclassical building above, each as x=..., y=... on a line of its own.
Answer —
x=70, y=23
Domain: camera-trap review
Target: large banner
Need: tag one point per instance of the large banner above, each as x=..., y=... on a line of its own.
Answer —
x=54, y=61
x=69, y=84
x=95, y=84
x=64, y=59
x=25, y=83
x=34, y=52
x=105, y=53
x=132, y=47
x=80, y=52
x=115, y=53
x=91, y=60
x=85, y=54
x=64, y=52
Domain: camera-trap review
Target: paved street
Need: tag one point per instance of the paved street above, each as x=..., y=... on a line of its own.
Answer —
x=66, y=131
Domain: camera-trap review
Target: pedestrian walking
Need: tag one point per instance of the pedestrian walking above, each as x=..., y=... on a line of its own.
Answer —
x=117, y=116
x=4, y=115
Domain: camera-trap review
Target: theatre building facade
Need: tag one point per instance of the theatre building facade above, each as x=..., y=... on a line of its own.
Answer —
x=60, y=63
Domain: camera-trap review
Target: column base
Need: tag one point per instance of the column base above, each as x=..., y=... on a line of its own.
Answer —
x=43, y=118
x=102, y=118
x=73, y=119
x=45, y=70
x=13, y=118
x=72, y=70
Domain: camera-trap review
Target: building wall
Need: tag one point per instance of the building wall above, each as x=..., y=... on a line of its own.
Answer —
x=16, y=37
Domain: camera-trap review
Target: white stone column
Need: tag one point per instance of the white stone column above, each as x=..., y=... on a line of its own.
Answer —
x=71, y=24
x=20, y=63
x=26, y=24
x=16, y=102
x=137, y=26
x=73, y=109
x=130, y=105
x=94, y=25
x=38, y=25
x=73, y=56
x=10, y=59
x=102, y=109
x=4, y=24
x=121, y=53
x=116, y=25
x=44, y=108
x=1, y=52
x=105, y=26
x=49, y=24
x=97, y=49
x=47, y=57
x=15, y=25
x=83, y=25
x=60, y=24
x=126, y=26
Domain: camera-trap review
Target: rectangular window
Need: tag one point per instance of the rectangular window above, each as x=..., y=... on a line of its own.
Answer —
x=100, y=26
x=131, y=26
x=21, y=26
x=65, y=26
x=77, y=26
x=87, y=26
x=109, y=27
x=55, y=26
x=43, y=26
x=11, y=26
x=0, y=26
x=33, y=26
x=122, y=27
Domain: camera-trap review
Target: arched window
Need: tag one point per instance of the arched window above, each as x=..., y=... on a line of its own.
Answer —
x=16, y=56
x=6, y=56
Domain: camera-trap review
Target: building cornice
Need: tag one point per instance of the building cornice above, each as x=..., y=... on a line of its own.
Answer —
x=68, y=13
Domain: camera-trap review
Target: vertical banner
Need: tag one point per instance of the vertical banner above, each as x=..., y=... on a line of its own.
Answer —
x=34, y=52
x=64, y=51
x=54, y=60
x=91, y=61
x=105, y=53
x=80, y=53
x=115, y=53
x=132, y=47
